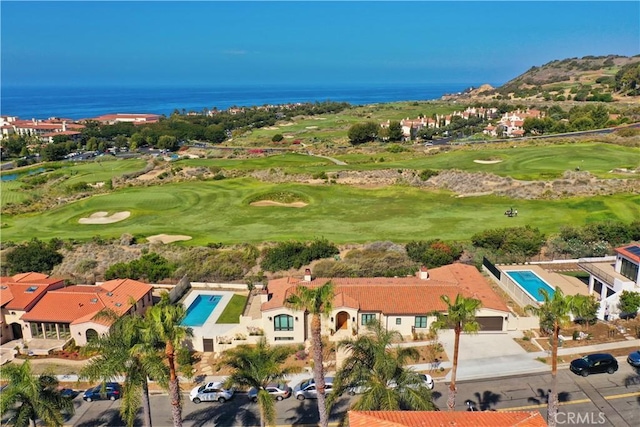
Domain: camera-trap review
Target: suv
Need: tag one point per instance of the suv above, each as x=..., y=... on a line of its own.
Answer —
x=307, y=389
x=211, y=392
x=594, y=364
x=110, y=391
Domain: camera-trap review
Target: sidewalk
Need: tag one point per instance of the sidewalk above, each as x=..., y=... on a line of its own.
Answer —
x=470, y=366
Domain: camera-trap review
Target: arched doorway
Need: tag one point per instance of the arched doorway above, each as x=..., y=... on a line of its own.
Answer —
x=91, y=335
x=341, y=320
x=16, y=331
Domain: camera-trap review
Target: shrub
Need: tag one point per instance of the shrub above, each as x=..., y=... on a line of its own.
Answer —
x=320, y=175
x=293, y=254
x=427, y=173
x=150, y=266
x=277, y=137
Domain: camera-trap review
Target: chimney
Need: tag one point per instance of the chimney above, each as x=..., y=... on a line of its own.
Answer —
x=307, y=275
x=424, y=273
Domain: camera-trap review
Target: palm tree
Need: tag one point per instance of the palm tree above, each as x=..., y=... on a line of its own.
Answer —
x=317, y=302
x=163, y=325
x=257, y=366
x=31, y=397
x=554, y=313
x=122, y=352
x=461, y=317
x=379, y=368
x=585, y=308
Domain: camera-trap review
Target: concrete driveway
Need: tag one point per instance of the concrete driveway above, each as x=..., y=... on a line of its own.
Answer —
x=489, y=354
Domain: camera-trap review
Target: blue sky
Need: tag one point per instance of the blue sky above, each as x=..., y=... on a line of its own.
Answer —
x=211, y=43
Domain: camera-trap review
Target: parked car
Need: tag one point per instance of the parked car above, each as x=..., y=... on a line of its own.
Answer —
x=111, y=391
x=69, y=393
x=594, y=364
x=634, y=359
x=278, y=391
x=211, y=392
x=307, y=389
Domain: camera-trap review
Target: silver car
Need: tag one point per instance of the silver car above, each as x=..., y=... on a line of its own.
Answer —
x=278, y=391
x=307, y=389
x=211, y=392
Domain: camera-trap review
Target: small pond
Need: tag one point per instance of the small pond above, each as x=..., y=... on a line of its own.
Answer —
x=14, y=176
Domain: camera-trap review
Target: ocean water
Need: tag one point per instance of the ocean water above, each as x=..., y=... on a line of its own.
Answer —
x=29, y=102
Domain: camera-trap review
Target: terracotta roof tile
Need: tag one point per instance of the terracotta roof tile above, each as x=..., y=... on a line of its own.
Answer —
x=80, y=303
x=445, y=419
x=396, y=295
x=23, y=290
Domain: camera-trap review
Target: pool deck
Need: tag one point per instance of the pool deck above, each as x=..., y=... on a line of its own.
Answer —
x=568, y=284
x=210, y=328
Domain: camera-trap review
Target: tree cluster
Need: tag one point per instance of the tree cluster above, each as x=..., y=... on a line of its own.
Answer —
x=151, y=267
x=34, y=255
x=594, y=239
x=294, y=254
x=517, y=244
x=433, y=253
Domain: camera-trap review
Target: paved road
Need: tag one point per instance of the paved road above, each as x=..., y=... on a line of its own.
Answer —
x=598, y=400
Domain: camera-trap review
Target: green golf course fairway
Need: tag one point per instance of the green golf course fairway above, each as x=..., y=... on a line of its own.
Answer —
x=219, y=211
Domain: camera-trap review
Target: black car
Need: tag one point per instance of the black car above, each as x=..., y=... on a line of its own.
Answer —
x=110, y=391
x=634, y=359
x=594, y=364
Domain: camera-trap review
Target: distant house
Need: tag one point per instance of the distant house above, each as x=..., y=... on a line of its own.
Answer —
x=136, y=119
x=609, y=276
x=445, y=418
x=45, y=130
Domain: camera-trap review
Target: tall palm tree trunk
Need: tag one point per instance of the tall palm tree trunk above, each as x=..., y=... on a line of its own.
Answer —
x=318, y=374
x=146, y=404
x=552, y=404
x=174, y=387
x=451, y=401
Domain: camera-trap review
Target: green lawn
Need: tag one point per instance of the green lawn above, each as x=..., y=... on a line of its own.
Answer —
x=233, y=310
x=89, y=172
x=536, y=162
x=218, y=211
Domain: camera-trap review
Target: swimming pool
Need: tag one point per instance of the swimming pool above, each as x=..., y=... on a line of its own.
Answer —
x=531, y=283
x=200, y=309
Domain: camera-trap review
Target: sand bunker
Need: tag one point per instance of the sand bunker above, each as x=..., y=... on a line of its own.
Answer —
x=272, y=203
x=311, y=127
x=487, y=162
x=167, y=238
x=104, y=218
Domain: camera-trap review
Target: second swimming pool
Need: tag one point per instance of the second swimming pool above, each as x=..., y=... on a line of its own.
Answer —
x=531, y=283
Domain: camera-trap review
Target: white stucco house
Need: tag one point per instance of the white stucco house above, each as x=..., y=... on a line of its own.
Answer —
x=609, y=276
x=400, y=303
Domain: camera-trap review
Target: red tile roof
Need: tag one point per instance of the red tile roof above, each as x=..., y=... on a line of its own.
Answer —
x=626, y=252
x=21, y=291
x=80, y=303
x=397, y=295
x=445, y=419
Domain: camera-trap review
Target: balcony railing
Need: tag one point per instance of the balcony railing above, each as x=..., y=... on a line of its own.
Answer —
x=598, y=272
